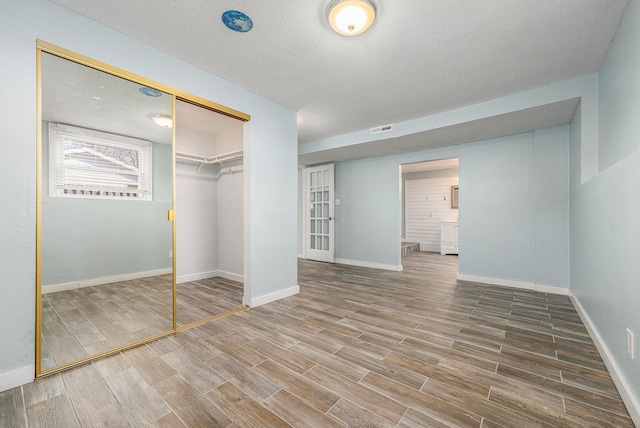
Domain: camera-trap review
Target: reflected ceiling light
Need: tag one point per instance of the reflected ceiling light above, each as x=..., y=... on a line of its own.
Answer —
x=162, y=120
x=150, y=92
x=351, y=17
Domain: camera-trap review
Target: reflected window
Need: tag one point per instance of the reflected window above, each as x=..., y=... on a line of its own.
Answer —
x=88, y=163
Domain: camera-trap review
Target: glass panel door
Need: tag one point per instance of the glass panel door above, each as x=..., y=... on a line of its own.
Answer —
x=320, y=212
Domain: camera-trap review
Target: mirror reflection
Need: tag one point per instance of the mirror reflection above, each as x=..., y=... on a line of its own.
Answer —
x=209, y=213
x=106, y=246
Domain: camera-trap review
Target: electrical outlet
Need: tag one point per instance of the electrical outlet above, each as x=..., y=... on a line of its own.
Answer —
x=630, y=345
x=170, y=253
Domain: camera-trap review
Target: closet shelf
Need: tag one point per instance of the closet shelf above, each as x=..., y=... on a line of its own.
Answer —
x=204, y=160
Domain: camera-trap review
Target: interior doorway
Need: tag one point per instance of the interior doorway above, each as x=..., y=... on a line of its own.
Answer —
x=430, y=209
x=209, y=213
x=319, y=230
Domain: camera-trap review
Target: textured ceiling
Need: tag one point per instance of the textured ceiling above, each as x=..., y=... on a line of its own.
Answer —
x=77, y=95
x=417, y=59
x=516, y=122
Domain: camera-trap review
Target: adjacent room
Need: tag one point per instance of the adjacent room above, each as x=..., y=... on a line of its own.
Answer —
x=250, y=214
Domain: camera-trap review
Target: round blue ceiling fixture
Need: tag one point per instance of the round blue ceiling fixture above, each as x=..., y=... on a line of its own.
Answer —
x=150, y=92
x=237, y=21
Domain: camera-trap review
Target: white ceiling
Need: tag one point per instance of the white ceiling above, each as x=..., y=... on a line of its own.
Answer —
x=203, y=119
x=78, y=95
x=418, y=58
x=82, y=96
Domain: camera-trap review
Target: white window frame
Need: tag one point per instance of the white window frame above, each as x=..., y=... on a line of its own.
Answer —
x=58, y=133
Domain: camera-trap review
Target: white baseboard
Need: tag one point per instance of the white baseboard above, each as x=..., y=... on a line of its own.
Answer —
x=138, y=275
x=231, y=276
x=551, y=289
x=397, y=268
x=196, y=276
x=210, y=274
x=628, y=397
x=103, y=280
x=431, y=248
x=271, y=297
x=17, y=377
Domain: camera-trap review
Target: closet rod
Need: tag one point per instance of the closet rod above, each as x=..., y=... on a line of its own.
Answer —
x=203, y=160
x=210, y=159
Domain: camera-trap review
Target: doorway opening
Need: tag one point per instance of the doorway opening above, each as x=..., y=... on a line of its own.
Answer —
x=430, y=209
x=318, y=216
x=209, y=214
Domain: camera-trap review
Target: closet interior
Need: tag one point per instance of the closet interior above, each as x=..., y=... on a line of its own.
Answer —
x=209, y=213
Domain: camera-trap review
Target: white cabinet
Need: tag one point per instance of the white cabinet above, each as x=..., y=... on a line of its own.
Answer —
x=449, y=238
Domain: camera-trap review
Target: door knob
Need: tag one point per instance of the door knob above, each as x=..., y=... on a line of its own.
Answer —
x=330, y=218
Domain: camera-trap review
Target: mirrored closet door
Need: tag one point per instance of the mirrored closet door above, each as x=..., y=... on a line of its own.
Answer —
x=105, y=243
x=209, y=213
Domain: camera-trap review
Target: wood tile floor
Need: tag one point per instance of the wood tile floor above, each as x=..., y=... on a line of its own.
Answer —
x=357, y=347
x=204, y=298
x=87, y=321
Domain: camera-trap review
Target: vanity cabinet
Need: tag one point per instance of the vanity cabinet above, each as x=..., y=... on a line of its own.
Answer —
x=449, y=237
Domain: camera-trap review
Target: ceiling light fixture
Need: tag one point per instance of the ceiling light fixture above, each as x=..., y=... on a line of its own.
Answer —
x=351, y=17
x=162, y=120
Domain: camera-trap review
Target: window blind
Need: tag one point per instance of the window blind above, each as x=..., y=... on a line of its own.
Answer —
x=89, y=163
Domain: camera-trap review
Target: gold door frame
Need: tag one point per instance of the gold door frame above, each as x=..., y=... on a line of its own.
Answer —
x=41, y=47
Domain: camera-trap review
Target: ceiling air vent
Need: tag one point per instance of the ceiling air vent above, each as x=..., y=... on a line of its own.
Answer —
x=379, y=129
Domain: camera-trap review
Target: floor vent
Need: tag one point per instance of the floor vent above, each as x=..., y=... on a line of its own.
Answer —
x=379, y=129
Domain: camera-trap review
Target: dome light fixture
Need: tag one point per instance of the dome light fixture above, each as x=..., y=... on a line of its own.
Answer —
x=162, y=120
x=351, y=17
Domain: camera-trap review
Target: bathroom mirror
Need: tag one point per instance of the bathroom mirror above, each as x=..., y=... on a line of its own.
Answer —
x=454, y=197
x=105, y=272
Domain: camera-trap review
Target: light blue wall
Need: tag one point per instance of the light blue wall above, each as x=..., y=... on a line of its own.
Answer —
x=619, y=92
x=368, y=219
x=497, y=226
x=605, y=211
x=87, y=238
x=514, y=208
x=550, y=194
x=270, y=145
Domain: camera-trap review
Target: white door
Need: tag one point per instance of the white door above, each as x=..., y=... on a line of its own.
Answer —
x=320, y=213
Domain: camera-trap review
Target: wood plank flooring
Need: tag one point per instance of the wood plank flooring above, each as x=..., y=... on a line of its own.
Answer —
x=204, y=298
x=90, y=320
x=357, y=347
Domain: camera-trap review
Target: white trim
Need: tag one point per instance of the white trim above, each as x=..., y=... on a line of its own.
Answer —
x=321, y=255
x=59, y=133
x=304, y=203
x=210, y=274
x=551, y=289
x=397, y=268
x=271, y=297
x=628, y=397
x=230, y=276
x=103, y=280
x=196, y=276
x=17, y=377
